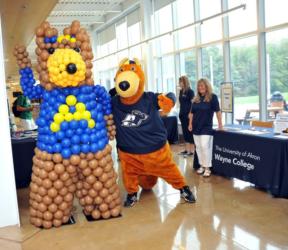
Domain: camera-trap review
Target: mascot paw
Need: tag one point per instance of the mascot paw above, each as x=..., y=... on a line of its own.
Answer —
x=165, y=103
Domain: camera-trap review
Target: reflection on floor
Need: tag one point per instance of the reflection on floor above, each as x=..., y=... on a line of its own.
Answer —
x=229, y=214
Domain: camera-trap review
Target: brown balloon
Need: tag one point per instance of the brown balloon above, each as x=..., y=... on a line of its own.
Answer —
x=75, y=160
x=57, y=158
x=57, y=223
x=58, y=200
x=52, y=192
x=104, y=193
x=106, y=214
x=97, y=185
x=98, y=200
x=59, y=168
x=96, y=214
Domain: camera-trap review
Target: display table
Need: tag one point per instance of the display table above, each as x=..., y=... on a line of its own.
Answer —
x=171, y=125
x=254, y=156
x=23, y=152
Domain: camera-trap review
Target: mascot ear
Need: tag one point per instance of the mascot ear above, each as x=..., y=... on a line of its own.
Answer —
x=123, y=61
x=137, y=61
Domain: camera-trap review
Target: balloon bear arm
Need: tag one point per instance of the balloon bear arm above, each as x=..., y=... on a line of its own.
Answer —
x=111, y=128
x=27, y=82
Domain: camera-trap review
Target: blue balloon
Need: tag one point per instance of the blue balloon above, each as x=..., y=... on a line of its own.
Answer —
x=75, y=149
x=94, y=147
x=85, y=138
x=85, y=148
x=75, y=139
x=81, y=98
x=46, y=39
x=72, y=109
x=69, y=133
x=73, y=124
x=93, y=138
x=66, y=153
x=57, y=147
x=40, y=122
x=52, y=139
x=88, y=131
x=83, y=124
x=101, y=144
x=60, y=135
x=79, y=131
x=64, y=125
x=61, y=98
x=53, y=39
x=66, y=143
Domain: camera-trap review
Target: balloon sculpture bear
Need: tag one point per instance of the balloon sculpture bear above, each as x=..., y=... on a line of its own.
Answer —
x=74, y=127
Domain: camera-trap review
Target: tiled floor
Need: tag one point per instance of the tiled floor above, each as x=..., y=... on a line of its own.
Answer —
x=229, y=214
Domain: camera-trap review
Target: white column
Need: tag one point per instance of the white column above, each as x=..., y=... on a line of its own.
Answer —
x=262, y=61
x=9, y=214
x=198, y=40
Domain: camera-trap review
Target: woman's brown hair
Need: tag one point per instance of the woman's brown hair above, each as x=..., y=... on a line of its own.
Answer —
x=208, y=95
x=186, y=83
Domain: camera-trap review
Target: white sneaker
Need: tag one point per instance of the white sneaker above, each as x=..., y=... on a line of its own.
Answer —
x=207, y=172
x=200, y=170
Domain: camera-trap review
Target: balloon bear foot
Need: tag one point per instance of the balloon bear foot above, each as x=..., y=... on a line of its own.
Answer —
x=55, y=181
x=91, y=219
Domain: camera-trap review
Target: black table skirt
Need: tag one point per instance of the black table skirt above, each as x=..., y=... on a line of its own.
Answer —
x=23, y=152
x=260, y=160
x=171, y=125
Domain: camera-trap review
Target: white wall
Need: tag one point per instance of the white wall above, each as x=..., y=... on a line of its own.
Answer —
x=9, y=214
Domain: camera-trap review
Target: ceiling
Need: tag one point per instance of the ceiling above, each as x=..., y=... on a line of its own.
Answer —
x=21, y=17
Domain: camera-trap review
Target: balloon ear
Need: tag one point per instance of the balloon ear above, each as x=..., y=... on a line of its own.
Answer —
x=123, y=61
x=137, y=61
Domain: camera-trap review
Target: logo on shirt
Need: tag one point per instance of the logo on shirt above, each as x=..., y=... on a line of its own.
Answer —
x=134, y=119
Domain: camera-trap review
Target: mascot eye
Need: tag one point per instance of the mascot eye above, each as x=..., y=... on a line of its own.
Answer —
x=77, y=49
x=133, y=68
x=121, y=70
x=51, y=50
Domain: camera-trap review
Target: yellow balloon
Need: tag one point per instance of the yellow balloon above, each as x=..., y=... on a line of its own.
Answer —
x=86, y=115
x=77, y=116
x=58, y=118
x=91, y=123
x=71, y=100
x=54, y=127
x=69, y=117
x=63, y=109
x=80, y=107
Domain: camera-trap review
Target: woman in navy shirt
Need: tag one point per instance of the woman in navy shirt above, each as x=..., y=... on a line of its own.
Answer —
x=185, y=98
x=204, y=105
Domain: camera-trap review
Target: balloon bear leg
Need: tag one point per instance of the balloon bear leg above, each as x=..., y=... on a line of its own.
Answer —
x=97, y=190
x=55, y=181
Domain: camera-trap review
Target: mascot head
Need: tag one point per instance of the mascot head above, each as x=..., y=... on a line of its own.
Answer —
x=63, y=60
x=129, y=81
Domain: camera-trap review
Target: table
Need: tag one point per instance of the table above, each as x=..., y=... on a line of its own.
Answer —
x=260, y=159
x=23, y=152
x=171, y=125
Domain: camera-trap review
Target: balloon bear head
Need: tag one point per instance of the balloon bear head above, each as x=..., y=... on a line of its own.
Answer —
x=130, y=80
x=64, y=60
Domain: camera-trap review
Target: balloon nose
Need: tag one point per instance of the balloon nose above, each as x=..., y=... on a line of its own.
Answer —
x=71, y=68
x=124, y=85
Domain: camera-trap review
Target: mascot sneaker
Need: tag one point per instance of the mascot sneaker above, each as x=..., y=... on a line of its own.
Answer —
x=187, y=195
x=130, y=200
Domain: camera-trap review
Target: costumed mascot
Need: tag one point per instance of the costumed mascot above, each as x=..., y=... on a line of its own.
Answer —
x=141, y=136
x=74, y=125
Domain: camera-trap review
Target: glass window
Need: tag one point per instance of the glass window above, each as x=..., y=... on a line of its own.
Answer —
x=244, y=73
x=185, y=12
x=121, y=55
x=168, y=74
x=211, y=30
x=276, y=12
x=209, y=8
x=158, y=75
x=134, y=34
x=135, y=52
x=212, y=66
x=164, y=19
x=188, y=66
x=277, y=69
x=121, y=35
x=186, y=37
x=242, y=21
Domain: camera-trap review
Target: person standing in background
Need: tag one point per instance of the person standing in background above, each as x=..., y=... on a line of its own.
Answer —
x=25, y=108
x=185, y=98
x=204, y=105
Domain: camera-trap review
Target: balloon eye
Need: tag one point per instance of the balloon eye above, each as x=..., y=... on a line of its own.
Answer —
x=77, y=49
x=51, y=50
